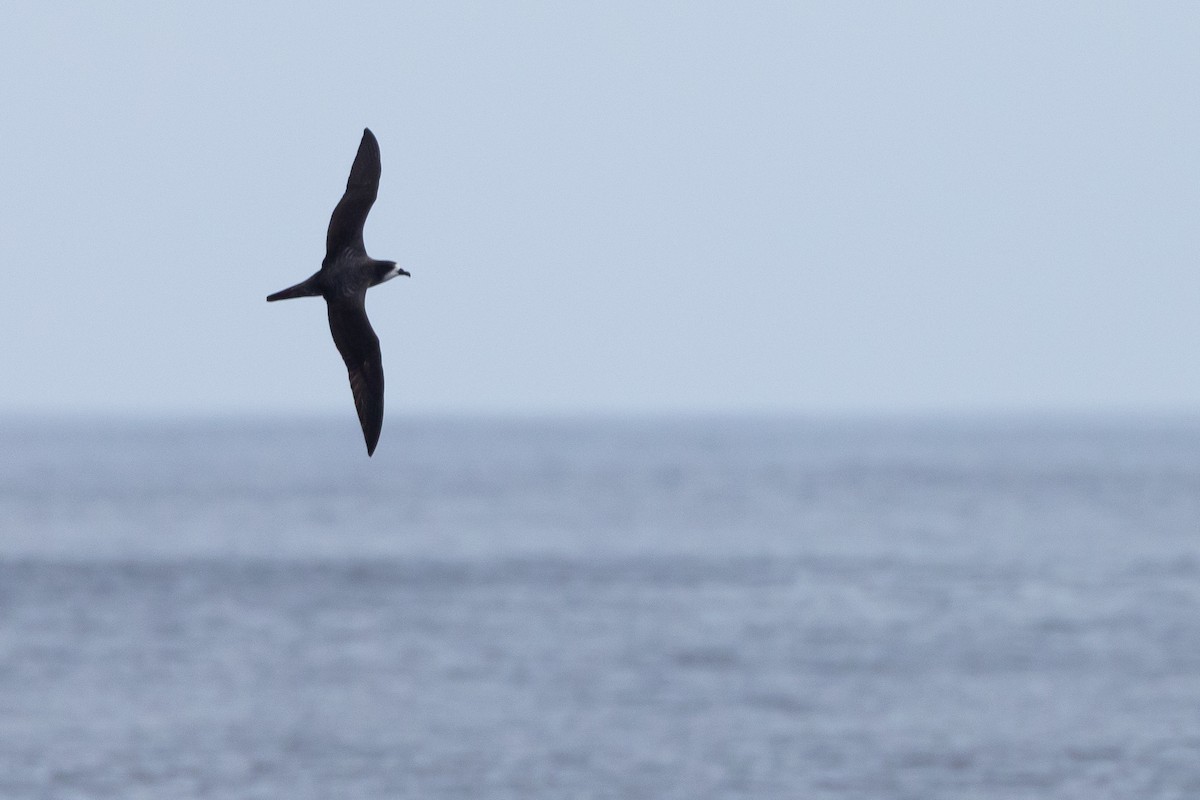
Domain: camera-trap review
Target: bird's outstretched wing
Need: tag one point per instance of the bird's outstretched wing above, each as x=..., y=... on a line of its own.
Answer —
x=359, y=346
x=346, y=224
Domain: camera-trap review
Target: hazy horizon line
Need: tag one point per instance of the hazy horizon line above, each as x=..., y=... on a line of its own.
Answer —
x=998, y=414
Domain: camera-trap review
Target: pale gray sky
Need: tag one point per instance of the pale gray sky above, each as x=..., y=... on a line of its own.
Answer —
x=833, y=207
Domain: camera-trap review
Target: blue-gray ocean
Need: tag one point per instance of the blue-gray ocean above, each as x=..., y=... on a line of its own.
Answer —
x=623, y=608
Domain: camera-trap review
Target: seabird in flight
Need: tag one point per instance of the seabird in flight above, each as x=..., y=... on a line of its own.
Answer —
x=345, y=275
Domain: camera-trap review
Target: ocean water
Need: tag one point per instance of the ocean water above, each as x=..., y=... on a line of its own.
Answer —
x=703, y=608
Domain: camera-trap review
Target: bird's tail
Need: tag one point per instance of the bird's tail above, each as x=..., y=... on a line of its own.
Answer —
x=302, y=289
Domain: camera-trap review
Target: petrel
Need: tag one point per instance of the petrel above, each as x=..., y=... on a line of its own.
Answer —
x=345, y=275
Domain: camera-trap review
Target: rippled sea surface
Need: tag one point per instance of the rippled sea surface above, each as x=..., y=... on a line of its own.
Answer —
x=985, y=609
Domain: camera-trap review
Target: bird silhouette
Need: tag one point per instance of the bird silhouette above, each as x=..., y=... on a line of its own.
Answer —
x=345, y=275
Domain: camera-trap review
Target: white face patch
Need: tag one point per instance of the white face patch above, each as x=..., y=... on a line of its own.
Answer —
x=393, y=272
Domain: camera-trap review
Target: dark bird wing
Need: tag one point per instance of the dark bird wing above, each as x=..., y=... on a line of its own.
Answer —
x=359, y=346
x=346, y=224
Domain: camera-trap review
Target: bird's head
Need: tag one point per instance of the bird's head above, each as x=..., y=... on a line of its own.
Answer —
x=389, y=270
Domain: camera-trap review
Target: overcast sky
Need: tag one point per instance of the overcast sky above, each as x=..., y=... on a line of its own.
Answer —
x=614, y=207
